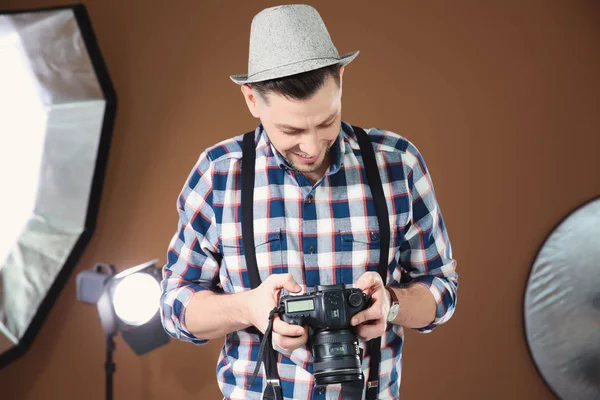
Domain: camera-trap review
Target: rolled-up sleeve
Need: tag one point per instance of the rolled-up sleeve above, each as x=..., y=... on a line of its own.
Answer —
x=192, y=254
x=426, y=253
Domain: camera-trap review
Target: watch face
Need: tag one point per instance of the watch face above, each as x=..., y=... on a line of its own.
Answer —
x=393, y=313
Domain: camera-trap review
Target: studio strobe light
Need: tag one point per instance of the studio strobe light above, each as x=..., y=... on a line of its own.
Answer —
x=127, y=302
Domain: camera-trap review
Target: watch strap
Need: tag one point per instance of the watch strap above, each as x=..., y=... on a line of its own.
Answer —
x=393, y=295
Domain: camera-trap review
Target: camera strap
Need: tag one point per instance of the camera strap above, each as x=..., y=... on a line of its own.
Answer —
x=273, y=389
x=267, y=353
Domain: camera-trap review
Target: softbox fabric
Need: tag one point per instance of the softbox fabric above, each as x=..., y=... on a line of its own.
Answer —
x=57, y=109
x=562, y=306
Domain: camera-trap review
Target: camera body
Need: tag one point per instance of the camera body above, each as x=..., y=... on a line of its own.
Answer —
x=327, y=307
x=327, y=311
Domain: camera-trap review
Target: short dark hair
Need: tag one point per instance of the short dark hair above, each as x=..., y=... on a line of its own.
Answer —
x=300, y=86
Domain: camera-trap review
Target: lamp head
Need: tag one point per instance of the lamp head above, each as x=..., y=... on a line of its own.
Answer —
x=127, y=302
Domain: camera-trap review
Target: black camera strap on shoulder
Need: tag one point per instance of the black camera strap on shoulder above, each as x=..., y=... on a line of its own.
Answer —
x=273, y=390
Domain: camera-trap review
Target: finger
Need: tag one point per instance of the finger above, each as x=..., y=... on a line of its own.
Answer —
x=367, y=281
x=368, y=332
x=285, y=329
x=285, y=281
x=372, y=313
x=289, y=343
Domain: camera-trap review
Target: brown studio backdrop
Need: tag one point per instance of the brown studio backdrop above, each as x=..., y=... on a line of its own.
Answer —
x=500, y=97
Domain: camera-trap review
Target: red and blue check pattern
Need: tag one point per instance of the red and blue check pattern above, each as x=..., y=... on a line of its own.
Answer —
x=322, y=234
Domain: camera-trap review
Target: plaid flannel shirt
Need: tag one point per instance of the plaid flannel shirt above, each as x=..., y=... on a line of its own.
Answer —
x=325, y=233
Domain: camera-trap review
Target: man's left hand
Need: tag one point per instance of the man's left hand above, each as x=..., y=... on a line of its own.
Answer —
x=372, y=323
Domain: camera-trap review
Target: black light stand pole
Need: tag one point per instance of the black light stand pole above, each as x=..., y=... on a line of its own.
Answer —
x=109, y=367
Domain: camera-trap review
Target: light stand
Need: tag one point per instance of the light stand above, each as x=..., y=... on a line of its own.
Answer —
x=127, y=302
x=109, y=366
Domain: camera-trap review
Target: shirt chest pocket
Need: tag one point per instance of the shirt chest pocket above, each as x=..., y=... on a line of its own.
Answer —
x=359, y=253
x=269, y=258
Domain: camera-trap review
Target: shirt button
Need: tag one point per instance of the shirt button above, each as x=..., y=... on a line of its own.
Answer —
x=311, y=249
x=373, y=236
x=310, y=198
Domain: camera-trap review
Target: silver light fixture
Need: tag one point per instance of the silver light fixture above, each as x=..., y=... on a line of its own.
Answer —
x=127, y=302
x=57, y=110
x=562, y=306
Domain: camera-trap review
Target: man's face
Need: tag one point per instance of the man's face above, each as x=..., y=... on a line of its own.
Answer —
x=302, y=130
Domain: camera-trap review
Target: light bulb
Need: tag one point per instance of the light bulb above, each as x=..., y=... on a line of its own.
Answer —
x=136, y=298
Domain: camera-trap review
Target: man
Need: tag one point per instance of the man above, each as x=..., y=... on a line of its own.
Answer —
x=314, y=222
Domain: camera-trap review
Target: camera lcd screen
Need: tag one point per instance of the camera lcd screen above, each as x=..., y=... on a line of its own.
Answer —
x=300, y=305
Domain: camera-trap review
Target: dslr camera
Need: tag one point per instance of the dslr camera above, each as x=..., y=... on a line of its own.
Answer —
x=327, y=311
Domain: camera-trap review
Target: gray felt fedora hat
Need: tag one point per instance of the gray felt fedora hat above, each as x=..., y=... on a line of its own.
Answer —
x=288, y=40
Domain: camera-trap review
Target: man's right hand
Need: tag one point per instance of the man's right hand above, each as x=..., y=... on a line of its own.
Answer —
x=266, y=297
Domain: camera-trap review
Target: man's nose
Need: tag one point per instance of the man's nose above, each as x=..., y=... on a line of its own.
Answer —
x=310, y=145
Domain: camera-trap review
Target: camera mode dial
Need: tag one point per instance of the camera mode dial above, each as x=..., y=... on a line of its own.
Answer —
x=355, y=299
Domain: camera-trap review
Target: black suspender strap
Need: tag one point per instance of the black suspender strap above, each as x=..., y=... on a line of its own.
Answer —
x=374, y=180
x=248, y=166
x=273, y=389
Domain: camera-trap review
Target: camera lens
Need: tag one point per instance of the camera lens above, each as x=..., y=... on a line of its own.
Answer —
x=336, y=357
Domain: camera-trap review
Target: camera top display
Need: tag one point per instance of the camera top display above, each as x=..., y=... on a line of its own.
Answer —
x=326, y=307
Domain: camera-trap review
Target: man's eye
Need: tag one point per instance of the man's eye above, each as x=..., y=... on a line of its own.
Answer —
x=327, y=125
x=298, y=132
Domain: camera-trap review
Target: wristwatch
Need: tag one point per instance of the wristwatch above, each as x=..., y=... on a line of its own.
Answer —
x=394, y=306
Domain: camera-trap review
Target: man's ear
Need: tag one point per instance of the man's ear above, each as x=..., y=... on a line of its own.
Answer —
x=251, y=100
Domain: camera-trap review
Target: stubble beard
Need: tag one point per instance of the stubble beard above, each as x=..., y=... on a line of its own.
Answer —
x=311, y=168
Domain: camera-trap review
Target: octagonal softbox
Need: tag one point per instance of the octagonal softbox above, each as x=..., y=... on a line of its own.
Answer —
x=562, y=306
x=57, y=108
